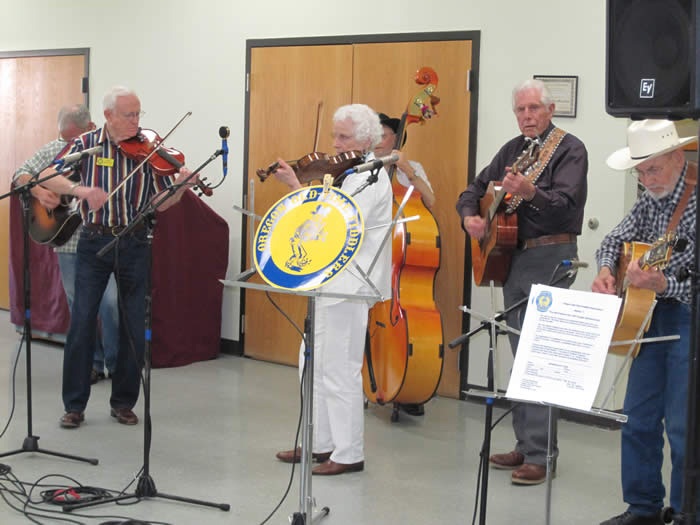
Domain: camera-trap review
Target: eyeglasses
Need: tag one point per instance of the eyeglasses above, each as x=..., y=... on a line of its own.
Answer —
x=132, y=115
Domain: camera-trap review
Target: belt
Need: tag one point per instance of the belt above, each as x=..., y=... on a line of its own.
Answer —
x=545, y=240
x=110, y=230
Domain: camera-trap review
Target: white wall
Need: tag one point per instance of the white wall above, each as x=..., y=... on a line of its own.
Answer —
x=183, y=56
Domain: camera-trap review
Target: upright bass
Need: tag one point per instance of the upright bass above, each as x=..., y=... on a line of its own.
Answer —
x=404, y=351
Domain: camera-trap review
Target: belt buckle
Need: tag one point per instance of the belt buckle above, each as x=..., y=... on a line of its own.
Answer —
x=116, y=229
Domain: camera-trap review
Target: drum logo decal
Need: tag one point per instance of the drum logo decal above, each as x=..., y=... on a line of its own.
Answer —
x=307, y=238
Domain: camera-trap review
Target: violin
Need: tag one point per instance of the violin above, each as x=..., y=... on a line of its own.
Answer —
x=315, y=165
x=165, y=162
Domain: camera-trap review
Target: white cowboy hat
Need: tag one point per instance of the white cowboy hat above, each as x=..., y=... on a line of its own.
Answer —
x=647, y=139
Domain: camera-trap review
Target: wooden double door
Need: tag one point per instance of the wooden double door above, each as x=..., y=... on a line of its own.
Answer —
x=33, y=88
x=286, y=85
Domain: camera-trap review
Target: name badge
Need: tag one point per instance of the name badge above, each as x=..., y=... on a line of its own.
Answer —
x=105, y=161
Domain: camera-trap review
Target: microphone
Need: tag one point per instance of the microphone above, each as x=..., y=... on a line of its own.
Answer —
x=224, y=132
x=574, y=264
x=78, y=156
x=372, y=165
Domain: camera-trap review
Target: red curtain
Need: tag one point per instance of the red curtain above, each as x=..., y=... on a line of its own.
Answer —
x=190, y=255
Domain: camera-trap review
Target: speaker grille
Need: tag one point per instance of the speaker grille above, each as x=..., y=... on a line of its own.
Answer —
x=651, y=59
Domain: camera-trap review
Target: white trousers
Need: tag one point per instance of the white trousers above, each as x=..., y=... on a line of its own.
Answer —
x=338, y=401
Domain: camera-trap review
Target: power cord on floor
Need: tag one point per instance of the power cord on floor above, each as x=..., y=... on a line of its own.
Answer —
x=80, y=494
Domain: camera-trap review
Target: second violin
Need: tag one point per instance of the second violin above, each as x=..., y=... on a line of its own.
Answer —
x=315, y=165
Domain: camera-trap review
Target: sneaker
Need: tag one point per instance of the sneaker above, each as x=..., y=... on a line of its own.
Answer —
x=627, y=518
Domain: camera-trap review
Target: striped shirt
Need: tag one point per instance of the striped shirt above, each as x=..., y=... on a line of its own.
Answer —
x=646, y=222
x=34, y=165
x=107, y=170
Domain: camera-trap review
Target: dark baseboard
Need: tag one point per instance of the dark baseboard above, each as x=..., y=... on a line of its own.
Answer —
x=231, y=347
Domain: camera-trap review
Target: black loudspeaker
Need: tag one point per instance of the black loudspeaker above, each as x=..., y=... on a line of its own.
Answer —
x=651, y=59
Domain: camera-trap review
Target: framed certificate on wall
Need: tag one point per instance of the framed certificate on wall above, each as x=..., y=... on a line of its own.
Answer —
x=564, y=90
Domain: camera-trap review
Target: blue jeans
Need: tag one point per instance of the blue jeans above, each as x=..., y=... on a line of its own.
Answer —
x=91, y=278
x=108, y=341
x=657, y=392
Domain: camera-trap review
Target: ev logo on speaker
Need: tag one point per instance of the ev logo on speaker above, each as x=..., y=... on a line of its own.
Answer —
x=646, y=88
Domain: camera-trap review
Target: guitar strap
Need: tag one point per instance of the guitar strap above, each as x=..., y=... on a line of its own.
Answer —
x=691, y=178
x=551, y=143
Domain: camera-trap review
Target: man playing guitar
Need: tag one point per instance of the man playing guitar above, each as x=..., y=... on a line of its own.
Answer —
x=548, y=199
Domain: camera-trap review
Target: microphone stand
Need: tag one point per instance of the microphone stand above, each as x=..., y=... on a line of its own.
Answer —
x=31, y=442
x=371, y=179
x=496, y=327
x=146, y=487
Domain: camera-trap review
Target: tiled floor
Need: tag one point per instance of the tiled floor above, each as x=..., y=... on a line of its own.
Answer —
x=216, y=426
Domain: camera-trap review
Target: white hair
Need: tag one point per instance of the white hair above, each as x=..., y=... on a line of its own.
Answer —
x=538, y=85
x=365, y=121
x=77, y=115
x=110, y=99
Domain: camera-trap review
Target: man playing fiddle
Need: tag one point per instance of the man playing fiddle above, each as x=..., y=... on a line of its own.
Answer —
x=103, y=218
x=341, y=324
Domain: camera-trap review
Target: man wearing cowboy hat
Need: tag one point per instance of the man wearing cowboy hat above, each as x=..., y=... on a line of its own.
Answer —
x=657, y=387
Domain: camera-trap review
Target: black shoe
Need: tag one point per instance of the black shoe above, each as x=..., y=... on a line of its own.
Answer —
x=627, y=518
x=413, y=409
x=96, y=376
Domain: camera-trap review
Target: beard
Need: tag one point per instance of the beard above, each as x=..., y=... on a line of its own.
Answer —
x=659, y=195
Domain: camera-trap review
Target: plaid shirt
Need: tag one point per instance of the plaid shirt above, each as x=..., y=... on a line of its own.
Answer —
x=37, y=163
x=646, y=222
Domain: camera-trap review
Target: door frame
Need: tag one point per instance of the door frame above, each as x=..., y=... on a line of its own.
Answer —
x=475, y=38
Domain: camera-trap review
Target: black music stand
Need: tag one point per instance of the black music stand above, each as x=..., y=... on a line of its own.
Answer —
x=496, y=325
x=31, y=442
x=145, y=486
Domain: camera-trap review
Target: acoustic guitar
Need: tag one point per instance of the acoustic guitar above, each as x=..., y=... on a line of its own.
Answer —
x=636, y=302
x=53, y=227
x=491, y=255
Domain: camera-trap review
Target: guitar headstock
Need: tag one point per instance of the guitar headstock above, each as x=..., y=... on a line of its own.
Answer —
x=659, y=253
x=527, y=158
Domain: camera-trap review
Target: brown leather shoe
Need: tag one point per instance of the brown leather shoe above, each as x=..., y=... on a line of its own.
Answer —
x=125, y=416
x=508, y=461
x=72, y=419
x=294, y=456
x=529, y=474
x=331, y=468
